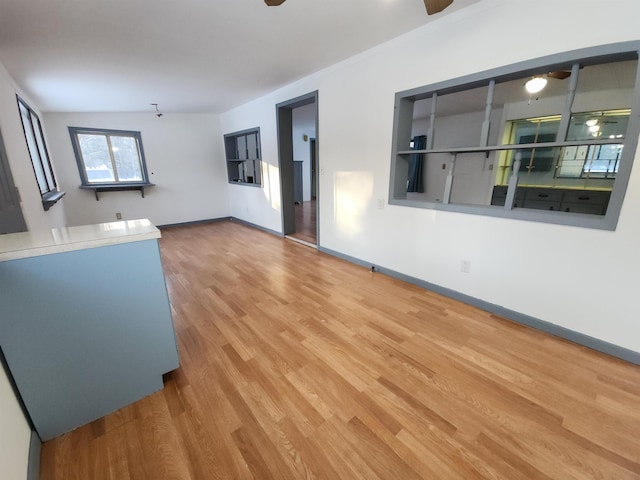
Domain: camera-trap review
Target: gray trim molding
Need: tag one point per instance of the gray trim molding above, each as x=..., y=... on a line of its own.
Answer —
x=259, y=227
x=617, y=351
x=222, y=219
x=194, y=222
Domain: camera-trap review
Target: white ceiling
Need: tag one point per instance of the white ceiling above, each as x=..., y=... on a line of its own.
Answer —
x=188, y=56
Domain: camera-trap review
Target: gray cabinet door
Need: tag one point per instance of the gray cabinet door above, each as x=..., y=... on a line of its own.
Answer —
x=11, y=219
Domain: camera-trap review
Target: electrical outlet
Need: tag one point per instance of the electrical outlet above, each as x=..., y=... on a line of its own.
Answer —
x=381, y=203
x=118, y=216
x=465, y=266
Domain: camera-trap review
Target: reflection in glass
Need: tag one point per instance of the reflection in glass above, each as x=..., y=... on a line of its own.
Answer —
x=590, y=161
x=605, y=86
x=600, y=125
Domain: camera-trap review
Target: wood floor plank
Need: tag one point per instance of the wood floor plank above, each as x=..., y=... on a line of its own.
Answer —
x=298, y=365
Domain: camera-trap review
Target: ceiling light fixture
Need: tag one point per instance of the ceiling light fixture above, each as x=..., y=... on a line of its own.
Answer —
x=592, y=122
x=535, y=84
x=158, y=112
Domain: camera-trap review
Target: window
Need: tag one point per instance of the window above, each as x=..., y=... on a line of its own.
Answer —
x=562, y=154
x=242, y=150
x=109, y=156
x=109, y=160
x=39, y=155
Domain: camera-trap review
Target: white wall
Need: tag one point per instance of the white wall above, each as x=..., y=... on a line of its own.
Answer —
x=184, y=156
x=565, y=277
x=14, y=431
x=19, y=160
x=258, y=205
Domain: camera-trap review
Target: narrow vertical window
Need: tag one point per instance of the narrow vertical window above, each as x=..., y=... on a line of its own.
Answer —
x=39, y=155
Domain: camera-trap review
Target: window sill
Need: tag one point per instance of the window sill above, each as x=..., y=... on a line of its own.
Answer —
x=119, y=187
x=247, y=184
x=49, y=199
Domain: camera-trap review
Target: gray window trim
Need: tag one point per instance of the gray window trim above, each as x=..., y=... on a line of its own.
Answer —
x=402, y=125
x=109, y=186
x=230, y=159
x=49, y=192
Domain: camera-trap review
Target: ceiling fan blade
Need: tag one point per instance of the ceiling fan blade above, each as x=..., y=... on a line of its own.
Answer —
x=560, y=74
x=274, y=3
x=435, y=6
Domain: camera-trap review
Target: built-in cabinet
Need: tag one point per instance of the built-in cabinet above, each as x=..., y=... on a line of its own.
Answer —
x=592, y=202
x=242, y=150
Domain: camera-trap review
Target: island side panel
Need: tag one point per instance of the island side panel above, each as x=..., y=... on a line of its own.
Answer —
x=86, y=332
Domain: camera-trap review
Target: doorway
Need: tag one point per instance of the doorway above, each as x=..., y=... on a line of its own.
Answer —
x=297, y=121
x=11, y=219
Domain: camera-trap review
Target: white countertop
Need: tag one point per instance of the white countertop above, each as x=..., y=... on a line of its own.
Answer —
x=56, y=240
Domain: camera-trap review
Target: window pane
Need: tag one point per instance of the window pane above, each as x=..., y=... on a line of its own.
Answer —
x=459, y=118
x=605, y=86
x=33, y=149
x=599, y=125
x=37, y=150
x=473, y=179
x=602, y=161
x=109, y=156
x=42, y=150
x=127, y=158
x=96, y=158
x=537, y=164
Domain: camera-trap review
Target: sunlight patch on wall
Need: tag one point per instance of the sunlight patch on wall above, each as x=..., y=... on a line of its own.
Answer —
x=271, y=185
x=353, y=193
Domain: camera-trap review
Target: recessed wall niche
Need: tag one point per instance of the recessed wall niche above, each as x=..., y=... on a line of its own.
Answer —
x=486, y=144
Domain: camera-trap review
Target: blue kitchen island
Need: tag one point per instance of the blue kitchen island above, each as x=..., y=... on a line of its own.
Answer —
x=86, y=325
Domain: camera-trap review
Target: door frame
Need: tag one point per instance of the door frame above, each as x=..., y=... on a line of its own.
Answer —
x=284, y=121
x=313, y=155
x=11, y=216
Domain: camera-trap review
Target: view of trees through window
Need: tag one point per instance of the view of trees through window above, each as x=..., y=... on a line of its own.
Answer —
x=108, y=157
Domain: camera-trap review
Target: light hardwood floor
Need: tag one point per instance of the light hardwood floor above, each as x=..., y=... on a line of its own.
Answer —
x=297, y=365
x=306, y=229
